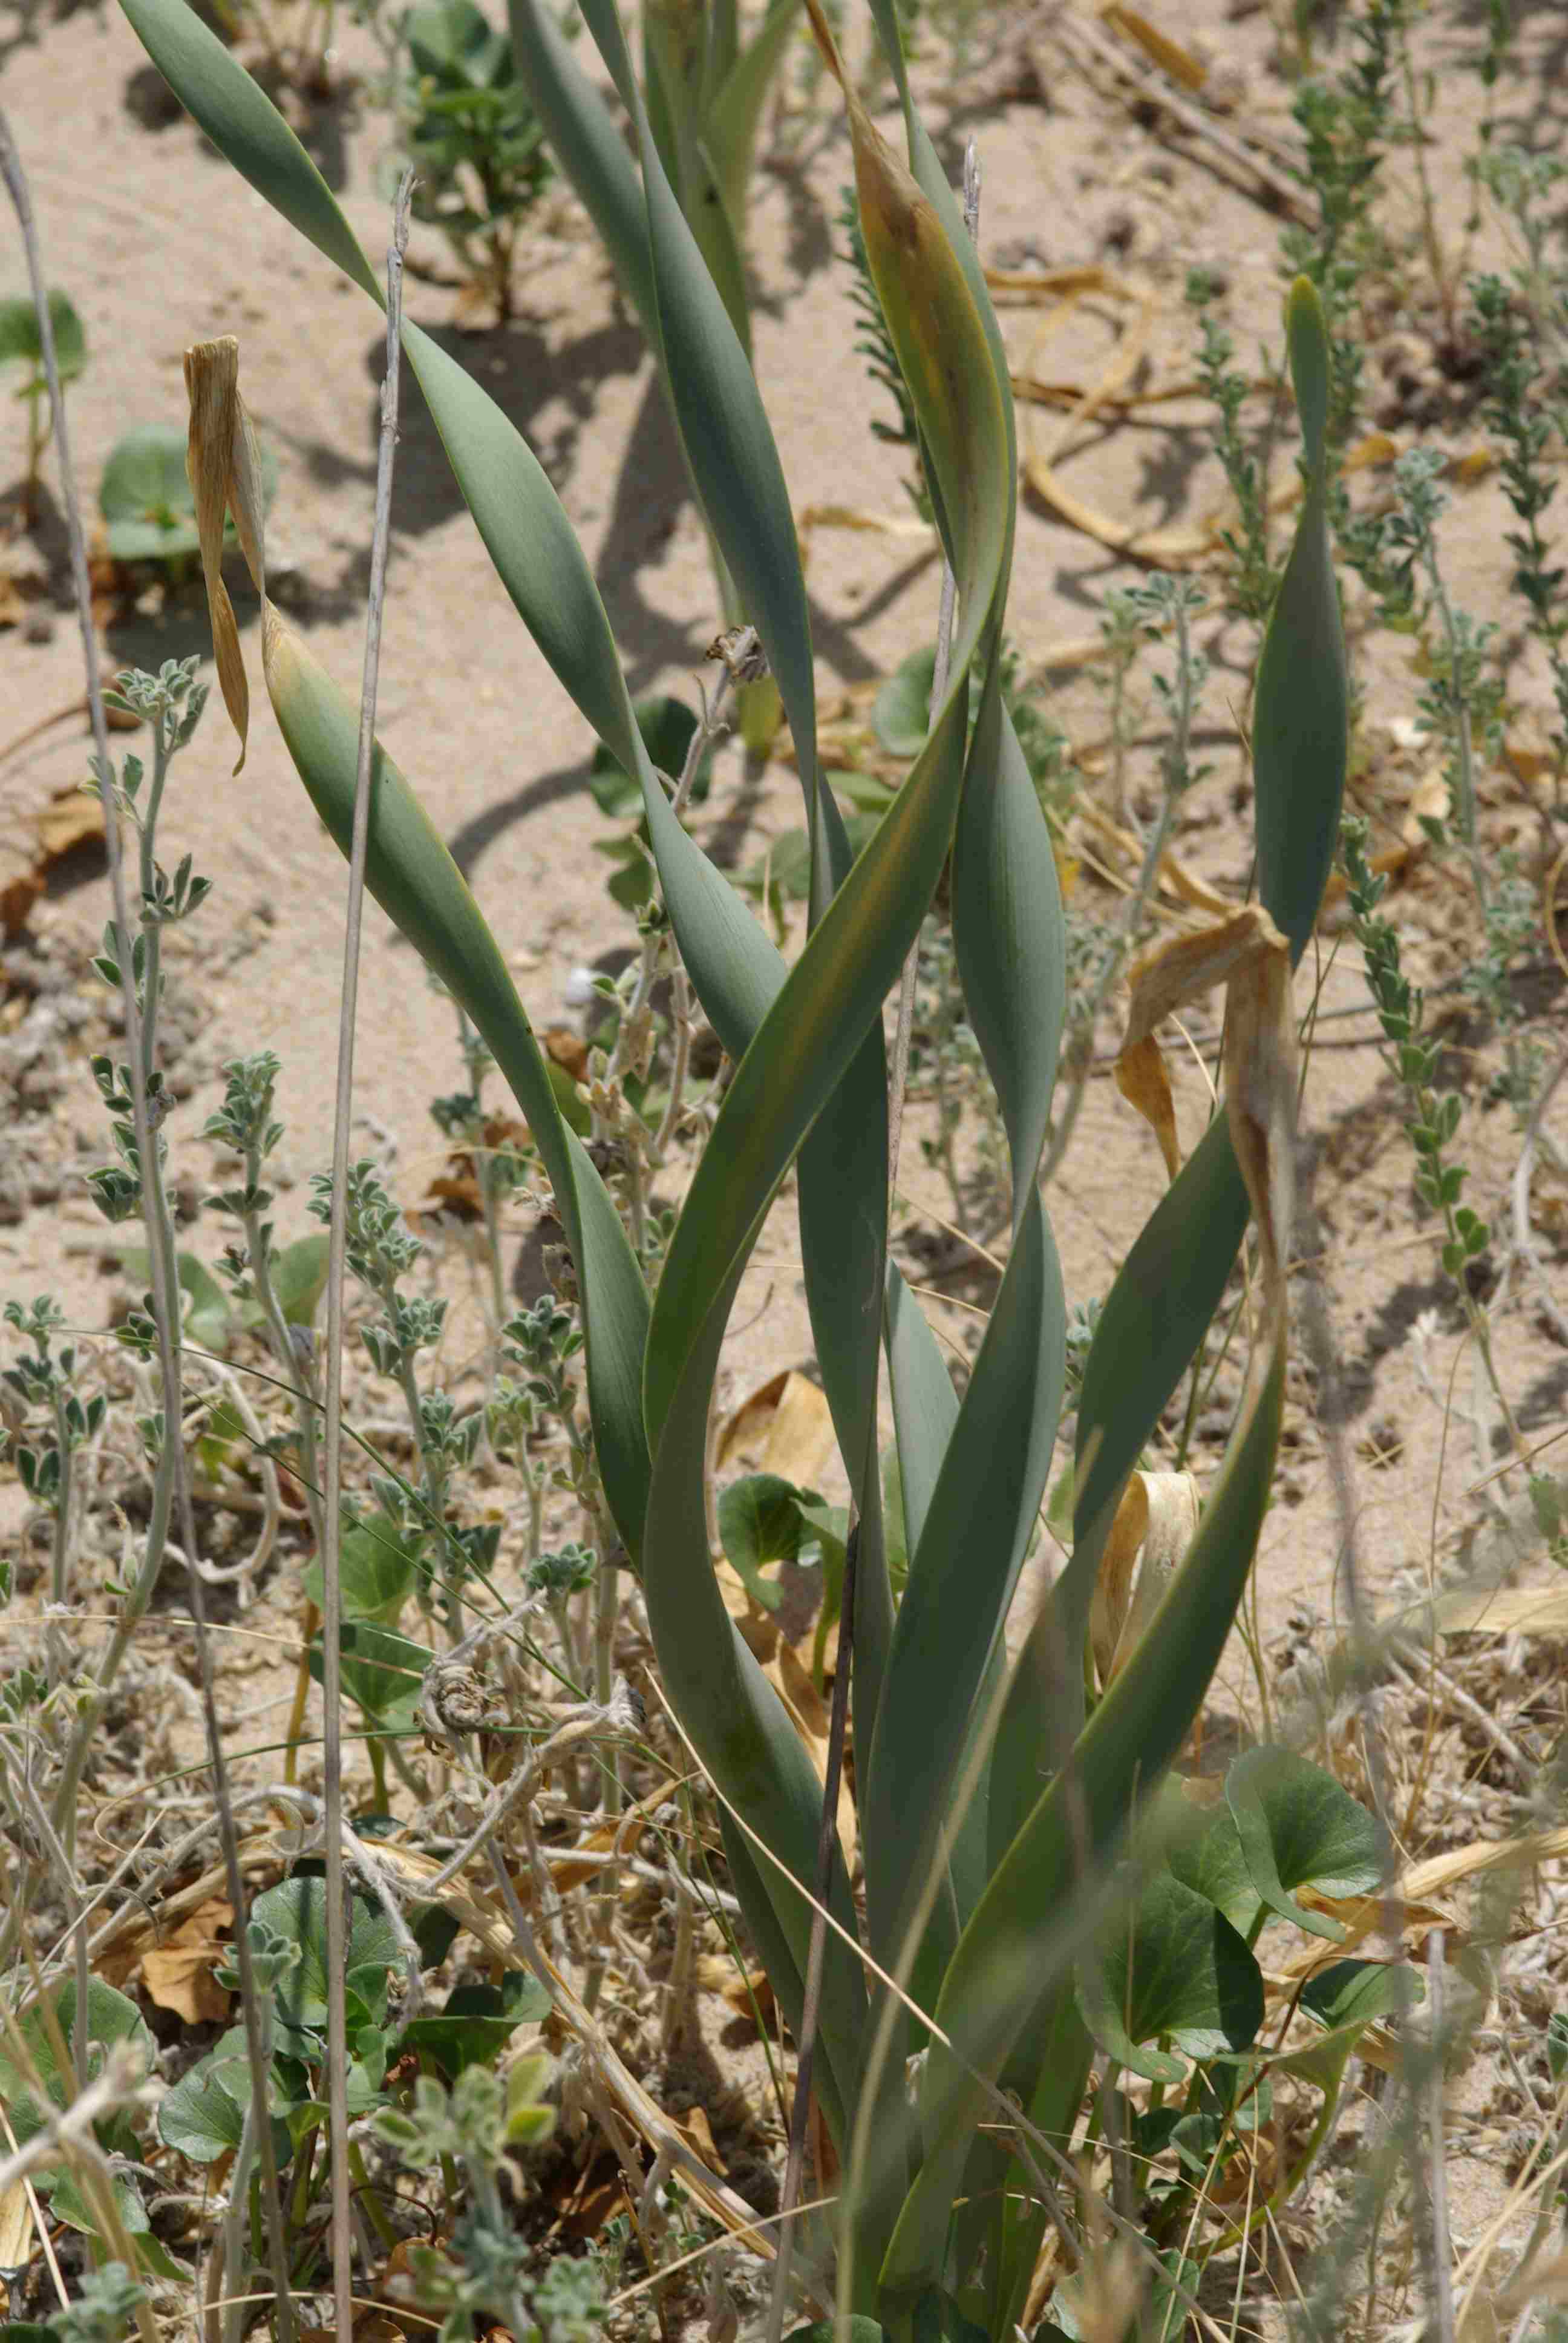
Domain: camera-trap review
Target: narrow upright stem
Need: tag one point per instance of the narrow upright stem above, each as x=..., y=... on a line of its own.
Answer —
x=342, y=2240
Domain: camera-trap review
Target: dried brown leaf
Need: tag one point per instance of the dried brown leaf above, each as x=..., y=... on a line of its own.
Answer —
x=1158, y=1514
x=179, y=1972
x=784, y=1427
x=72, y=818
x=225, y=468
x=17, y=898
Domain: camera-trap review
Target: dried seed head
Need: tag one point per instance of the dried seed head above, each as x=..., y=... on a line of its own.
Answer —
x=461, y=1697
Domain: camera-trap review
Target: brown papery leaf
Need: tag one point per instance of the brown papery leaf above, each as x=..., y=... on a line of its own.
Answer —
x=18, y=897
x=74, y=818
x=1168, y=980
x=1181, y=65
x=179, y=1972
x=1261, y=1092
x=225, y=469
x=784, y=1427
x=1158, y=1514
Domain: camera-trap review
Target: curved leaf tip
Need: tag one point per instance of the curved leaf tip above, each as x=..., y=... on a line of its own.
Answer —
x=1307, y=334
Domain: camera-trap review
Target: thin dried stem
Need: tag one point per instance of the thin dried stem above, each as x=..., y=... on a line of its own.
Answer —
x=332, y=1597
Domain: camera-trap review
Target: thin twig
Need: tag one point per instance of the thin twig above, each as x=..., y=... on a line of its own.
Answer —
x=898, y=1082
x=1437, y=2179
x=1524, y=1246
x=331, y=1599
x=160, y=1245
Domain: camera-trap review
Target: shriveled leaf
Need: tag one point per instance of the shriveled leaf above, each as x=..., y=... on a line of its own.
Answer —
x=177, y=1971
x=224, y=465
x=1159, y=1516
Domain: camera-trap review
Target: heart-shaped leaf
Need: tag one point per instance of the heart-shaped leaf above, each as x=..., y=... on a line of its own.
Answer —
x=1298, y=1828
x=1174, y=1967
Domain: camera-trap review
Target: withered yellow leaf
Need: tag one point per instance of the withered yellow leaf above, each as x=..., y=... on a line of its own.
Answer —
x=225, y=468
x=1158, y=1513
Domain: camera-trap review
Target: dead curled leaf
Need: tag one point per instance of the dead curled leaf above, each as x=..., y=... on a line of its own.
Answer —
x=1247, y=954
x=1159, y=1516
x=177, y=1973
x=225, y=467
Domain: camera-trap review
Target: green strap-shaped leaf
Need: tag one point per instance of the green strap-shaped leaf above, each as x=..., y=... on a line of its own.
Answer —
x=1300, y=707
x=419, y=886
x=735, y=112
x=729, y=446
x=1011, y=1950
x=829, y=1002
x=244, y=125
x=589, y=149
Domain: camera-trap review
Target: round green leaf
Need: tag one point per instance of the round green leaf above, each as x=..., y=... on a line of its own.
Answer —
x=667, y=726
x=477, y=2022
x=1298, y=1828
x=297, y=1910
x=199, y=2117
x=146, y=495
x=1211, y=1862
x=21, y=340
x=382, y=1672
x=376, y=1573
x=760, y=1521
x=1354, y=1993
x=111, y=2019
x=299, y=1278
x=1175, y=1967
